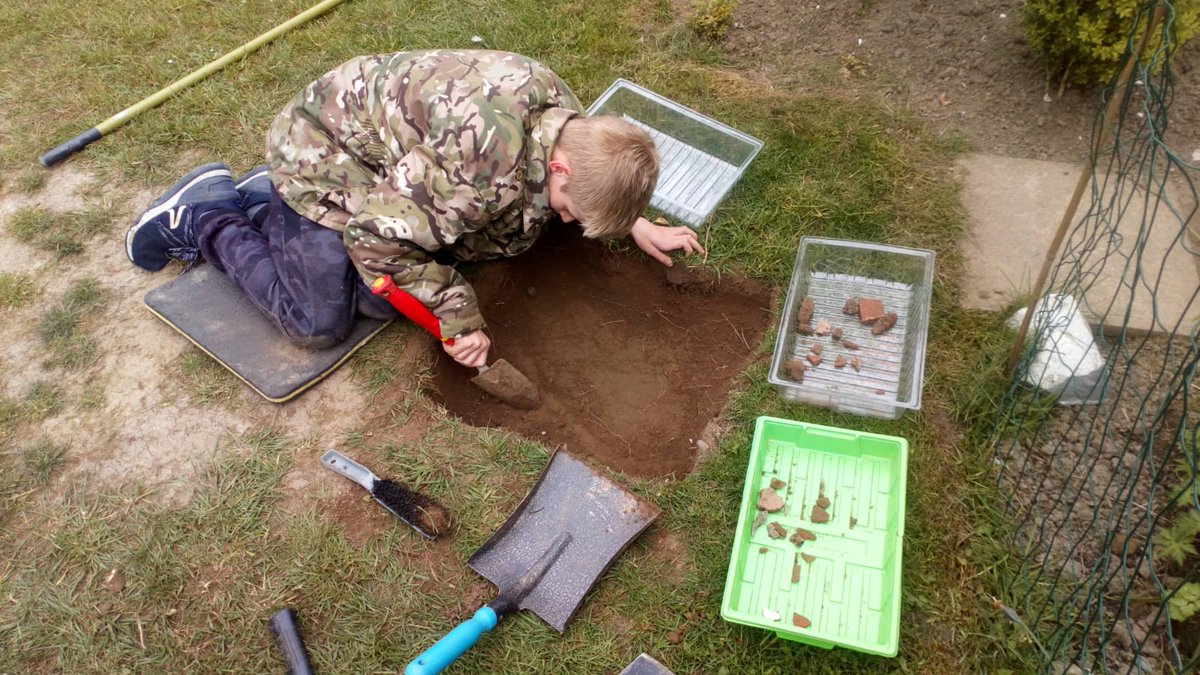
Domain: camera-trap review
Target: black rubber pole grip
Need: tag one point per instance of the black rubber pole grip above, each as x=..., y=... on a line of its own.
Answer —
x=70, y=147
x=287, y=633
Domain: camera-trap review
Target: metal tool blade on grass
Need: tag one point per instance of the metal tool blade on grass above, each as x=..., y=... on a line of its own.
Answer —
x=424, y=515
x=547, y=556
x=500, y=379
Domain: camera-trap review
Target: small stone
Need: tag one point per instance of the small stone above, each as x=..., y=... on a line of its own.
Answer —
x=823, y=327
x=850, y=344
x=769, y=501
x=814, y=359
x=771, y=614
x=851, y=307
x=805, y=313
x=795, y=573
x=114, y=581
x=758, y=521
x=853, y=522
x=869, y=310
x=837, y=334
x=823, y=502
x=816, y=349
x=799, y=621
x=808, y=558
x=884, y=323
x=819, y=515
x=839, y=362
x=856, y=363
x=776, y=531
x=777, y=484
x=796, y=369
x=674, y=637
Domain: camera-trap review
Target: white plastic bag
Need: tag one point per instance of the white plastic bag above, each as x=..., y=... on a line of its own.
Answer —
x=1067, y=362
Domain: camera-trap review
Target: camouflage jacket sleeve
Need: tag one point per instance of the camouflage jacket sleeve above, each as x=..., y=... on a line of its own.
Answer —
x=415, y=153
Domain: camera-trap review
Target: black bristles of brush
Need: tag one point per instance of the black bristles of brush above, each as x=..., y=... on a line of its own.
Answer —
x=422, y=513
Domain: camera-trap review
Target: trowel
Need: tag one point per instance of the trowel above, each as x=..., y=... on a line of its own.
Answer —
x=548, y=554
x=500, y=379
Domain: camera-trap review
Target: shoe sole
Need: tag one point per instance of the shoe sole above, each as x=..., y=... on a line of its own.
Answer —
x=201, y=173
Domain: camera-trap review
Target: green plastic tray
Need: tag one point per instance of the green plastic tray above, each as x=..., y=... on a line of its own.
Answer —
x=850, y=591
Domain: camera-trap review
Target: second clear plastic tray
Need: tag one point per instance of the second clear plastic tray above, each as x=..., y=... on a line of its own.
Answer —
x=701, y=158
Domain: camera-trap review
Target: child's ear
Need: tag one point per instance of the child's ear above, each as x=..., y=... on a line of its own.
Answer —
x=560, y=167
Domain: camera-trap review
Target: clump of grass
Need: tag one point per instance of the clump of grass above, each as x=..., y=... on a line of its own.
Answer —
x=16, y=289
x=40, y=460
x=10, y=416
x=711, y=18
x=63, y=234
x=92, y=397
x=59, y=325
x=29, y=180
x=42, y=401
x=205, y=379
x=32, y=466
x=374, y=366
x=25, y=224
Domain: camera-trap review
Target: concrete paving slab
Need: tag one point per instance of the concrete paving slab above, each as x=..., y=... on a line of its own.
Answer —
x=1015, y=206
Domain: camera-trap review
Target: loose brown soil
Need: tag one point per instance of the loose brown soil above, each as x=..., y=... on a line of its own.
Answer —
x=963, y=67
x=631, y=363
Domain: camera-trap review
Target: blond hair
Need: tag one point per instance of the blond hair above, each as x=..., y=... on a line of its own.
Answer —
x=614, y=168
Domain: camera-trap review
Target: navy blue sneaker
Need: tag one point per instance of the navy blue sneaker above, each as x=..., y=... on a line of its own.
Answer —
x=254, y=192
x=168, y=228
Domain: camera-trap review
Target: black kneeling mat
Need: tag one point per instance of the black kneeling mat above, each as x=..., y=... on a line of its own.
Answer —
x=209, y=310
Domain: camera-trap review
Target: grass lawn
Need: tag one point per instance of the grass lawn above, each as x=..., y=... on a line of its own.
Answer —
x=201, y=578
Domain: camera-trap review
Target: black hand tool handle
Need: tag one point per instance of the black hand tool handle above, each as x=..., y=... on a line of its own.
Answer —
x=287, y=633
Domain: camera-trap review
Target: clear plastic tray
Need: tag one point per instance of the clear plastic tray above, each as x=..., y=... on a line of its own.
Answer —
x=848, y=589
x=892, y=365
x=701, y=158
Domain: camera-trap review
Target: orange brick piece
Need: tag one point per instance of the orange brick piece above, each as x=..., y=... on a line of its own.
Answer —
x=869, y=309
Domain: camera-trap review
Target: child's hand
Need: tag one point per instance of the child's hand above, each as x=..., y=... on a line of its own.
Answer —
x=656, y=240
x=471, y=350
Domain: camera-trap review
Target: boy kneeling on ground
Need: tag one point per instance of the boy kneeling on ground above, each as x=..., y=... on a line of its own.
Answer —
x=399, y=165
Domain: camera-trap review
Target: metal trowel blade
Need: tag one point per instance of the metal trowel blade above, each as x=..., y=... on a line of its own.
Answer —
x=508, y=384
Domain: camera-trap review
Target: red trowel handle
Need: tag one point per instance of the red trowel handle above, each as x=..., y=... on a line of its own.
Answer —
x=409, y=307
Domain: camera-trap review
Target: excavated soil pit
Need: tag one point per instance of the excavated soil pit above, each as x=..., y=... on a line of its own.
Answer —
x=632, y=359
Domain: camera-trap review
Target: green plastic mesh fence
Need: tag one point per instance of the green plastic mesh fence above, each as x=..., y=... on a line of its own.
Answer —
x=1097, y=441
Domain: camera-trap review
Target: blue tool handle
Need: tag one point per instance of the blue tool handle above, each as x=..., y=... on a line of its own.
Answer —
x=455, y=644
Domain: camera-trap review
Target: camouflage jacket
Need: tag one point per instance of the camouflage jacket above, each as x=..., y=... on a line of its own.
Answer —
x=414, y=153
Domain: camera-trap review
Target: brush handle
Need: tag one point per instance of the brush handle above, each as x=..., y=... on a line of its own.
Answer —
x=287, y=633
x=409, y=306
x=455, y=644
x=344, y=466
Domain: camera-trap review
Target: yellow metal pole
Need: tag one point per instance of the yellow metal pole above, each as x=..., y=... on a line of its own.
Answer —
x=81, y=141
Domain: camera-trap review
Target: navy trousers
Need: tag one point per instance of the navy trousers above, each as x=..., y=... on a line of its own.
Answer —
x=293, y=269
